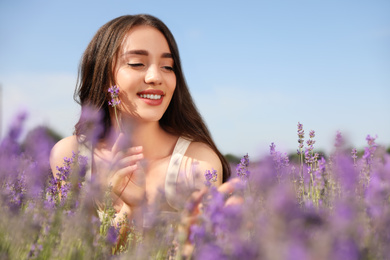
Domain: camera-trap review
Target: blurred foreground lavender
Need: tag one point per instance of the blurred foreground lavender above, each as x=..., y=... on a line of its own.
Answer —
x=336, y=207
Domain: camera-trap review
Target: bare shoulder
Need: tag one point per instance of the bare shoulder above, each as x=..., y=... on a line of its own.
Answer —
x=61, y=149
x=205, y=158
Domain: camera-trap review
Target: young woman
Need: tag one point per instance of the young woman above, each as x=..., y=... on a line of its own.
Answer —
x=159, y=147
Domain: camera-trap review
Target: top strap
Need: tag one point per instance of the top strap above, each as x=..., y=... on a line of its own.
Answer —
x=173, y=172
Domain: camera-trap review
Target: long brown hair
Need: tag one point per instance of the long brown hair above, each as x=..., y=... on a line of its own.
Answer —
x=96, y=75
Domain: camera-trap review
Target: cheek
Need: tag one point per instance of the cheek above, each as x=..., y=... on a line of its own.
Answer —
x=123, y=79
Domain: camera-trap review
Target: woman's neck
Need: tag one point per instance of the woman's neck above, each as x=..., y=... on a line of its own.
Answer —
x=156, y=142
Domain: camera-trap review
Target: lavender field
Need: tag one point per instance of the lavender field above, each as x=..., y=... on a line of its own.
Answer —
x=311, y=206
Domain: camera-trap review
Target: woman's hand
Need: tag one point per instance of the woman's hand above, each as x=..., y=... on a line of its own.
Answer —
x=126, y=175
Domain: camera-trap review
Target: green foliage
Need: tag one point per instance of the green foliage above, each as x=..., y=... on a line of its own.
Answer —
x=231, y=158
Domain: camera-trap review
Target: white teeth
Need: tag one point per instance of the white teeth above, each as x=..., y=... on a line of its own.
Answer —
x=150, y=96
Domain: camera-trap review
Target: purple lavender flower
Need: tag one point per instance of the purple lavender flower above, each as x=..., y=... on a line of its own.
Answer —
x=16, y=191
x=318, y=180
x=280, y=159
x=214, y=207
x=17, y=125
x=211, y=176
x=9, y=144
x=197, y=233
x=307, y=156
x=370, y=149
x=312, y=134
x=297, y=251
x=281, y=201
x=339, y=140
x=82, y=164
x=346, y=173
x=242, y=168
x=310, y=157
x=345, y=249
x=322, y=164
x=60, y=185
x=370, y=140
x=265, y=179
x=114, y=102
x=24, y=171
x=354, y=156
x=37, y=146
x=210, y=251
x=114, y=91
x=35, y=249
x=301, y=136
x=301, y=132
x=343, y=230
x=112, y=235
x=376, y=196
x=210, y=220
x=245, y=249
x=310, y=143
x=272, y=149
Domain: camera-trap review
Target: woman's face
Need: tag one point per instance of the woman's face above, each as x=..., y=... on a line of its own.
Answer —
x=144, y=74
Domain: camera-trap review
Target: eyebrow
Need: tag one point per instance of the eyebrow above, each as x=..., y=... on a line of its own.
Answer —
x=146, y=53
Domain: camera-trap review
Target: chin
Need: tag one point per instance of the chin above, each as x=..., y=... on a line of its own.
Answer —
x=150, y=118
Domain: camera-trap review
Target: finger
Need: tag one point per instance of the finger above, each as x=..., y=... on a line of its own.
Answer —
x=234, y=200
x=135, y=150
x=133, y=172
x=128, y=155
x=128, y=160
x=121, y=178
x=126, y=171
x=229, y=187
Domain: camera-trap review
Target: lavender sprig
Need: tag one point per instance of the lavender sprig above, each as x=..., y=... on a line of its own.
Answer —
x=370, y=149
x=60, y=186
x=339, y=141
x=301, y=136
x=211, y=176
x=242, y=168
x=114, y=102
x=354, y=156
x=281, y=160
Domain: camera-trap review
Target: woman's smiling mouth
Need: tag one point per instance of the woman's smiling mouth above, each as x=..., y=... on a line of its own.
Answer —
x=150, y=96
x=153, y=97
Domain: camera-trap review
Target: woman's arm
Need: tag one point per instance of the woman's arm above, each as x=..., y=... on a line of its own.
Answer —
x=204, y=159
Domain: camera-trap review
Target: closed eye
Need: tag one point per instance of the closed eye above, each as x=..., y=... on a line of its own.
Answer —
x=136, y=65
x=168, y=68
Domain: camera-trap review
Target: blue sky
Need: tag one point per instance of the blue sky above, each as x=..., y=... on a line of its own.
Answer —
x=255, y=68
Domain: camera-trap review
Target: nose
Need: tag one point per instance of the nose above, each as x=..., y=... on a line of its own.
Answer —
x=153, y=76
